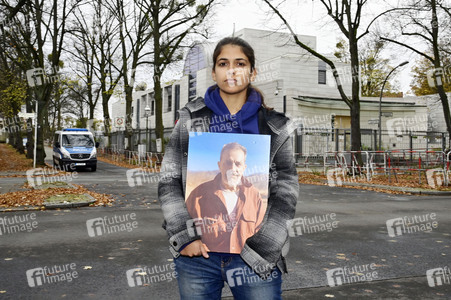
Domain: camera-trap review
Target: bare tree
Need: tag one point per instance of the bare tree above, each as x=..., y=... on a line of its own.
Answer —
x=373, y=66
x=134, y=37
x=83, y=65
x=171, y=22
x=47, y=20
x=426, y=22
x=347, y=14
x=107, y=54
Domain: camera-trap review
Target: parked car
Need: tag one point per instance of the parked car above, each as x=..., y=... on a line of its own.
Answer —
x=74, y=147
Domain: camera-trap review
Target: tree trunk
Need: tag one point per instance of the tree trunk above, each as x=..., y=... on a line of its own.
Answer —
x=128, y=116
x=40, y=150
x=18, y=138
x=355, y=109
x=106, y=117
x=159, y=128
x=30, y=128
x=446, y=111
x=437, y=65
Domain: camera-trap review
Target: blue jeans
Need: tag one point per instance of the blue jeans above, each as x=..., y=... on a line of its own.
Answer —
x=202, y=278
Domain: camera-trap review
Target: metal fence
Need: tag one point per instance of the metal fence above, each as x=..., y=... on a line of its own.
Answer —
x=311, y=142
x=151, y=160
x=434, y=164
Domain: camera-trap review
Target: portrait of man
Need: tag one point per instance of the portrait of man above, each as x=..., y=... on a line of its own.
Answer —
x=228, y=209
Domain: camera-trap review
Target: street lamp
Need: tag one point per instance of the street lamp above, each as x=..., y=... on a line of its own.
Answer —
x=147, y=110
x=380, y=101
x=35, y=132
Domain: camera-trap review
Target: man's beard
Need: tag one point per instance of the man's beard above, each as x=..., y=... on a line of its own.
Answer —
x=233, y=178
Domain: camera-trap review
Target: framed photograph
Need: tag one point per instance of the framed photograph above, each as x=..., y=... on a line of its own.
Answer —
x=227, y=187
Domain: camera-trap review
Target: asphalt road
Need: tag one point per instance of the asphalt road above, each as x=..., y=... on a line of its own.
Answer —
x=354, y=235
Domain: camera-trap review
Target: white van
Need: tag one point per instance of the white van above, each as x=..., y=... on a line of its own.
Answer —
x=74, y=147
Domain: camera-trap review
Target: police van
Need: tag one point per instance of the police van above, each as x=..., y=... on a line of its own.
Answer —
x=73, y=148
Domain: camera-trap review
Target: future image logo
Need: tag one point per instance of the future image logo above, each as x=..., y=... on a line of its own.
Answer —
x=401, y=126
x=400, y=226
x=439, y=76
x=136, y=277
x=211, y=225
x=307, y=225
x=197, y=126
x=346, y=275
x=39, y=176
x=146, y=275
x=18, y=223
x=38, y=77
x=436, y=177
x=141, y=176
x=335, y=177
x=438, y=276
x=109, y=225
x=57, y=273
x=248, y=276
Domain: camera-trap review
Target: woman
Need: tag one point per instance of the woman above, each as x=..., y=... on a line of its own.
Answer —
x=256, y=272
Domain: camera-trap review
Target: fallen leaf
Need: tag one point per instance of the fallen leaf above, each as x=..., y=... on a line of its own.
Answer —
x=87, y=268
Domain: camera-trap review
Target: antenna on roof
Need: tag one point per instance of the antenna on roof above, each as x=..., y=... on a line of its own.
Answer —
x=233, y=33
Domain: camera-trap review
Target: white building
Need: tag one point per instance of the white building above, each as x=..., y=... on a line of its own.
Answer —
x=291, y=80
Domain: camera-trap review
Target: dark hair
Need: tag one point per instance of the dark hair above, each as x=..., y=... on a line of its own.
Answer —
x=248, y=51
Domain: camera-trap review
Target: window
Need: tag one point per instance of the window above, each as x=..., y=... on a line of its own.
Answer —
x=78, y=140
x=143, y=105
x=322, y=70
x=195, y=61
x=152, y=107
x=192, y=87
x=168, y=90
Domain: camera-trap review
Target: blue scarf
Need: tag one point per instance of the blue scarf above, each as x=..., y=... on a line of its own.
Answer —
x=244, y=121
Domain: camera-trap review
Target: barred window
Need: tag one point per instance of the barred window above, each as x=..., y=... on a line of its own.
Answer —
x=322, y=69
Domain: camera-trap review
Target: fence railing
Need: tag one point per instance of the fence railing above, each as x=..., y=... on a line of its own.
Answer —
x=434, y=164
x=150, y=160
x=311, y=142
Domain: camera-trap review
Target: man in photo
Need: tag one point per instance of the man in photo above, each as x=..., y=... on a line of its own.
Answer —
x=228, y=208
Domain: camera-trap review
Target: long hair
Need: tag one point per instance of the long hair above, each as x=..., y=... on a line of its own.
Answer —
x=248, y=51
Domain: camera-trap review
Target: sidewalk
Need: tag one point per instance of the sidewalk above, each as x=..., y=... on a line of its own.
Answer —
x=417, y=191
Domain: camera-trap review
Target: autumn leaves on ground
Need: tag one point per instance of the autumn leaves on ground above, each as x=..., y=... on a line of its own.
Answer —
x=17, y=164
x=13, y=164
x=413, y=179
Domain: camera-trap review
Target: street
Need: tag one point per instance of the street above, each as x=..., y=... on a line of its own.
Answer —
x=343, y=228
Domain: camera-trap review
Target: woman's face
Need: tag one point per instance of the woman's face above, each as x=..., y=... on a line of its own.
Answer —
x=232, y=70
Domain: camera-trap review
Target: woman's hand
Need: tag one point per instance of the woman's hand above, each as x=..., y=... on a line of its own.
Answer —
x=196, y=248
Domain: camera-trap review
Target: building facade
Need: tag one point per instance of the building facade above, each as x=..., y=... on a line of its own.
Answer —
x=292, y=81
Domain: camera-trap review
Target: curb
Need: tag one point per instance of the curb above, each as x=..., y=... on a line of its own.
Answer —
x=392, y=188
x=49, y=186
x=51, y=206
x=401, y=189
x=71, y=205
